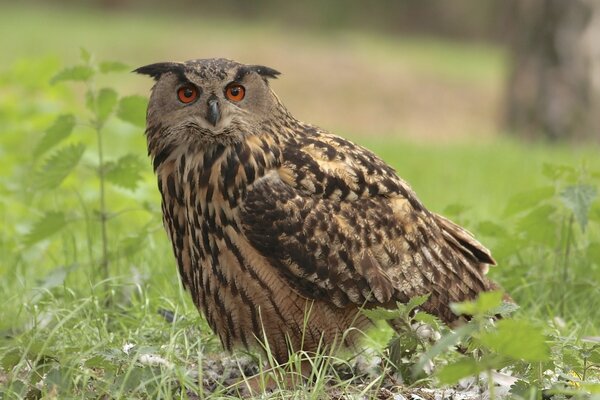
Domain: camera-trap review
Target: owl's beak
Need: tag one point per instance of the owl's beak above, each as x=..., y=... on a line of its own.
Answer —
x=214, y=114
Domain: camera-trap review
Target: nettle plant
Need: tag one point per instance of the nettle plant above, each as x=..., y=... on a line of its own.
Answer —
x=549, y=243
x=74, y=148
x=553, y=233
x=548, y=246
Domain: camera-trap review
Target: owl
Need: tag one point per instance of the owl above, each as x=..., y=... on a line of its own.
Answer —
x=283, y=232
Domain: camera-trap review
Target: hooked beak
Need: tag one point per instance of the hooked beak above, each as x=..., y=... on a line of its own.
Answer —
x=214, y=115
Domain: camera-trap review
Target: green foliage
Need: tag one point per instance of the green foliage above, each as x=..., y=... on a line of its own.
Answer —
x=405, y=348
x=45, y=227
x=485, y=304
x=124, y=172
x=492, y=346
x=103, y=104
x=544, y=256
x=551, y=267
x=74, y=138
x=527, y=200
x=57, y=132
x=85, y=263
x=80, y=73
x=578, y=199
x=133, y=109
x=516, y=339
x=58, y=166
x=113, y=66
x=452, y=373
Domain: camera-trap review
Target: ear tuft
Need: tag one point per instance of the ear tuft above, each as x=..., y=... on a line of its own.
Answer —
x=157, y=69
x=266, y=72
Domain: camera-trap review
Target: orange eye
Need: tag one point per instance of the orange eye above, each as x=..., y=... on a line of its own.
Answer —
x=187, y=94
x=235, y=92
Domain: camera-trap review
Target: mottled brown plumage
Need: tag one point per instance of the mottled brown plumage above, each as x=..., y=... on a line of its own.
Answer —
x=281, y=229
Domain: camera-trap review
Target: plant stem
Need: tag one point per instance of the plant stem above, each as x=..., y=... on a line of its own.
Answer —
x=490, y=380
x=565, y=269
x=88, y=227
x=585, y=367
x=103, y=213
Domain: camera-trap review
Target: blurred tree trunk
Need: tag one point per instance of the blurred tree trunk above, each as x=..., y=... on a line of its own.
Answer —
x=554, y=87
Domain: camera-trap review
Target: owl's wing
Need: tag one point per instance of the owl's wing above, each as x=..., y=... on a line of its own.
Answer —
x=339, y=224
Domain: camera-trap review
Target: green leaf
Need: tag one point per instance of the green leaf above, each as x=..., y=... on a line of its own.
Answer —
x=491, y=229
x=415, y=302
x=579, y=198
x=132, y=109
x=427, y=319
x=134, y=378
x=58, y=131
x=593, y=252
x=58, y=166
x=101, y=362
x=90, y=100
x=452, y=373
x=133, y=244
x=11, y=358
x=80, y=73
x=594, y=214
x=485, y=304
x=538, y=226
x=382, y=313
x=105, y=103
x=521, y=388
x=55, y=278
x=113, y=66
x=45, y=227
x=445, y=343
x=125, y=172
x=592, y=388
x=554, y=171
x=57, y=380
x=402, y=310
x=594, y=357
x=506, y=308
x=526, y=200
x=517, y=339
x=403, y=347
x=85, y=55
x=19, y=389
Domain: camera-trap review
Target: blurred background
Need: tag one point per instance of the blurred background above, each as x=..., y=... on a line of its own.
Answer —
x=428, y=70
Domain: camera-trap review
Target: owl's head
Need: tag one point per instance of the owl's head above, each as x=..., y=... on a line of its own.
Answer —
x=208, y=100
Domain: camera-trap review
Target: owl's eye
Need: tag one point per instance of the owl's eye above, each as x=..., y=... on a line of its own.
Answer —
x=187, y=94
x=235, y=92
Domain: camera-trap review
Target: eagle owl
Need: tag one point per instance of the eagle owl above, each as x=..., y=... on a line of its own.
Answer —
x=282, y=231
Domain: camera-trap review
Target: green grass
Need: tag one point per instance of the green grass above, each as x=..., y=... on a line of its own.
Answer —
x=64, y=329
x=62, y=30
x=452, y=60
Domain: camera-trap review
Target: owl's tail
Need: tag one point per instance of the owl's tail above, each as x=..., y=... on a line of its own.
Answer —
x=470, y=278
x=464, y=241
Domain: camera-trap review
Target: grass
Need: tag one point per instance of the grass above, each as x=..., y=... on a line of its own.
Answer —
x=59, y=336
